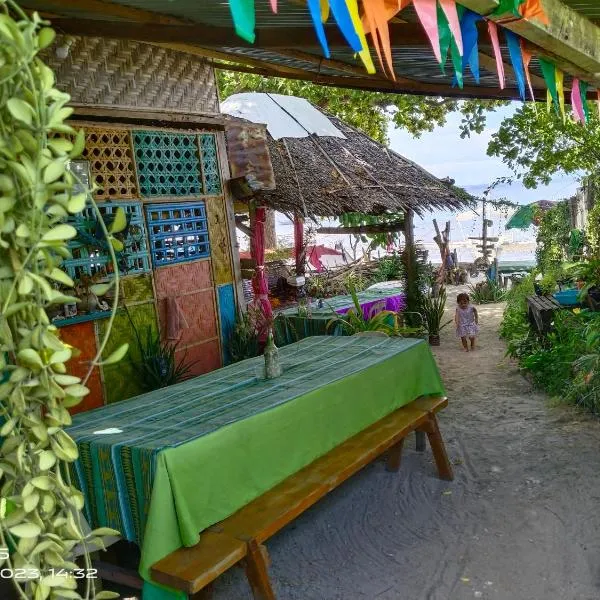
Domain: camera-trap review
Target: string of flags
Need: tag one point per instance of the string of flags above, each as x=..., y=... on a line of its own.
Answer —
x=452, y=31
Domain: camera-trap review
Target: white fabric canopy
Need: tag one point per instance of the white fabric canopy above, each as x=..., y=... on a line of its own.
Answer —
x=284, y=116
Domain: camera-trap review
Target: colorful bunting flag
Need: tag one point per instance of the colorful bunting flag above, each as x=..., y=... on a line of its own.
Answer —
x=365, y=54
x=533, y=9
x=508, y=6
x=576, y=105
x=242, y=13
x=549, y=73
x=427, y=13
x=470, y=38
x=583, y=88
x=448, y=42
x=376, y=22
x=314, y=8
x=493, y=30
x=342, y=17
x=527, y=56
x=560, y=90
x=516, y=58
x=324, y=11
x=274, y=6
x=451, y=13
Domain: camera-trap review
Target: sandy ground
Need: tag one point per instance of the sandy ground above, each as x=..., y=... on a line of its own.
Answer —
x=519, y=522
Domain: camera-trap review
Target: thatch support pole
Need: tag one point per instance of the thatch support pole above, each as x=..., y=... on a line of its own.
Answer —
x=299, y=247
x=409, y=242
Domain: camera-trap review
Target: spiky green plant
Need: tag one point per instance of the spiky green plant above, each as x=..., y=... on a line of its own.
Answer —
x=432, y=310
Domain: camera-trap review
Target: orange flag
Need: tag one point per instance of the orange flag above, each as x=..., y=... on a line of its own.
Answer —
x=533, y=9
x=375, y=20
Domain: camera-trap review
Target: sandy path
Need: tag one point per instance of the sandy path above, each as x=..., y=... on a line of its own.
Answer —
x=520, y=521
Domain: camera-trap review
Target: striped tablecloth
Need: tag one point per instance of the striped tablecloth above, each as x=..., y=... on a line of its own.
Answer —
x=163, y=466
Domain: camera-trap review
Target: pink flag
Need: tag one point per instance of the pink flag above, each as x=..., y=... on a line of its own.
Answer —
x=449, y=8
x=527, y=56
x=274, y=5
x=493, y=29
x=427, y=13
x=576, y=102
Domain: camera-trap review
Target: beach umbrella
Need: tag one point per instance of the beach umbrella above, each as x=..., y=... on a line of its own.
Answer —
x=528, y=215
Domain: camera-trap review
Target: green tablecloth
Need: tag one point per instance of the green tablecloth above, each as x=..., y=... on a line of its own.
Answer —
x=163, y=466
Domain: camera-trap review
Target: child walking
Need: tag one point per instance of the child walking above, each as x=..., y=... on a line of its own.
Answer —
x=467, y=321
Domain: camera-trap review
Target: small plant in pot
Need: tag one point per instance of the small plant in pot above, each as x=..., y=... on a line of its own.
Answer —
x=433, y=314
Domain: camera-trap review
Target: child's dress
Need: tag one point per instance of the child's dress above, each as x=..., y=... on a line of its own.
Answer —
x=466, y=326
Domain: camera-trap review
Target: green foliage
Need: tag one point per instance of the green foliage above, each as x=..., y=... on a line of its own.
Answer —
x=159, y=367
x=537, y=145
x=355, y=281
x=368, y=111
x=593, y=229
x=487, y=292
x=433, y=312
x=553, y=238
x=375, y=240
x=40, y=509
x=244, y=339
x=390, y=268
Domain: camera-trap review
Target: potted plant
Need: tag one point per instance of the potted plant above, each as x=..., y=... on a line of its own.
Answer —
x=433, y=313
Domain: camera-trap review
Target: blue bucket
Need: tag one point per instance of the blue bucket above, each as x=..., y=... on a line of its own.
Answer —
x=567, y=297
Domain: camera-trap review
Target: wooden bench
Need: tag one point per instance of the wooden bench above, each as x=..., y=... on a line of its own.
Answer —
x=541, y=311
x=240, y=537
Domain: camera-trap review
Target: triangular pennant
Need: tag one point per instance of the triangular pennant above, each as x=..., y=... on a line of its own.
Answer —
x=365, y=54
x=324, y=11
x=578, y=113
x=516, y=58
x=447, y=42
x=451, y=12
x=242, y=13
x=470, y=37
x=274, y=6
x=493, y=30
x=550, y=101
x=583, y=88
x=314, y=8
x=375, y=21
x=549, y=73
x=560, y=90
x=508, y=6
x=527, y=56
x=427, y=13
x=342, y=17
x=533, y=9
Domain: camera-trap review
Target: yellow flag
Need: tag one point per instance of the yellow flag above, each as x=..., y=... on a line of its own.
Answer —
x=365, y=54
x=560, y=90
x=324, y=11
x=548, y=100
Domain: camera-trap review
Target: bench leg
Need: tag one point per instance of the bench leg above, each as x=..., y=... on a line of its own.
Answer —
x=420, y=445
x=394, y=456
x=257, y=572
x=439, y=449
x=205, y=593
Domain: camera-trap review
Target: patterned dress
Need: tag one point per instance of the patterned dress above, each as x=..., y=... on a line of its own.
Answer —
x=466, y=325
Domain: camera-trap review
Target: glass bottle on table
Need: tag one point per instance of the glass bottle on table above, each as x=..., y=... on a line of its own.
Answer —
x=271, y=354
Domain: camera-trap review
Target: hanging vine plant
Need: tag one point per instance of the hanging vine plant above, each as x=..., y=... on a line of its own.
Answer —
x=40, y=510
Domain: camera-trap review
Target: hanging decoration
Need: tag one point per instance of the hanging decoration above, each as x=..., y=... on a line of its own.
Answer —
x=549, y=73
x=533, y=9
x=242, y=13
x=576, y=103
x=583, y=88
x=365, y=53
x=375, y=22
x=516, y=59
x=315, y=8
x=448, y=43
x=324, y=11
x=341, y=14
x=427, y=13
x=451, y=13
x=470, y=38
x=527, y=56
x=560, y=90
x=493, y=31
x=274, y=6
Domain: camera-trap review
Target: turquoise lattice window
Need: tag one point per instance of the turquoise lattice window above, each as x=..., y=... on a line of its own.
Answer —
x=89, y=250
x=210, y=164
x=177, y=232
x=168, y=164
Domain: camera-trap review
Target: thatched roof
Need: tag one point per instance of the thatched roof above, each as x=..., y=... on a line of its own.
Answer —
x=329, y=176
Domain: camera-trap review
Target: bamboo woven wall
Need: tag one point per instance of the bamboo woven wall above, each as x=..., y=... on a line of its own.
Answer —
x=100, y=71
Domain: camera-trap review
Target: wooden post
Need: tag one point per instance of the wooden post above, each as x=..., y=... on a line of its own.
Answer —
x=270, y=231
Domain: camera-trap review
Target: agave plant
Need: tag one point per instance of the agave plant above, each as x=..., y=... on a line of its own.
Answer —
x=354, y=321
x=433, y=313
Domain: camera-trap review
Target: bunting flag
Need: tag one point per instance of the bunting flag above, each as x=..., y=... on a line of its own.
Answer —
x=451, y=13
x=274, y=6
x=448, y=42
x=508, y=6
x=549, y=73
x=576, y=105
x=375, y=21
x=583, y=88
x=470, y=38
x=427, y=13
x=527, y=56
x=324, y=11
x=242, y=13
x=533, y=9
x=493, y=30
x=314, y=7
x=342, y=17
x=365, y=54
x=516, y=58
x=560, y=90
